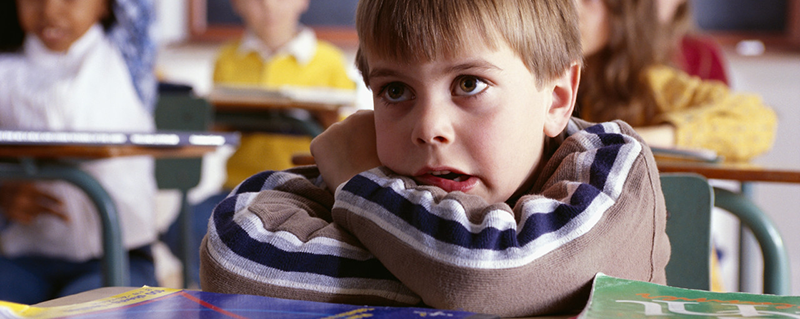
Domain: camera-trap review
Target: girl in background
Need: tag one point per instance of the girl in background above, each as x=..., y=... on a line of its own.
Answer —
x=68, y=65
x=694, y=53
x=627, y=77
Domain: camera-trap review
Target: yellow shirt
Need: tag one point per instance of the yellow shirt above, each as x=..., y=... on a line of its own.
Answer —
x=706, y=114
x=324, y=68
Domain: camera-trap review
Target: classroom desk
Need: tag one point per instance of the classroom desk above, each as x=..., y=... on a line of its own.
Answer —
x=45, y=161
x=776, y=259
x=233, y=108
x=743, y=172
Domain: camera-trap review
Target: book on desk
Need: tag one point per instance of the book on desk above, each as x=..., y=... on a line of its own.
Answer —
x=611, y=297
x=154, y=302
x=683, y=154
x=322, y=98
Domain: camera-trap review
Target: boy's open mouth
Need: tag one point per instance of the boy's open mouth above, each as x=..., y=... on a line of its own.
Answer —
x=450, y=175
x=448, y=180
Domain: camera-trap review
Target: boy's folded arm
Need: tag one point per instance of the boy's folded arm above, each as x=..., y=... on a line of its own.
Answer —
x=600, y=211
x=273, y=236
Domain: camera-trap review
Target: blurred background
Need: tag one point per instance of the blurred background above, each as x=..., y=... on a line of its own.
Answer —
x=760, y=40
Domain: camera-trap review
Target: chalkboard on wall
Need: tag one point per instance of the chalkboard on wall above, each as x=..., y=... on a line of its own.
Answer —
x=332, y=20
x=739, y=15
x=775, y=22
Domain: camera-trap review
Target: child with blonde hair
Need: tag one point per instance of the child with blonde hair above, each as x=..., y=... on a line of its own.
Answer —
x=276, y=50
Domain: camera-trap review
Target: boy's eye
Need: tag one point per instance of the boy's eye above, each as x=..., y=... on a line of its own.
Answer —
x=396, y=92
x=470, y=85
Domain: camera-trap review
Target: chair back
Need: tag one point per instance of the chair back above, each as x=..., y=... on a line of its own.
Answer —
x=181, y=112
x=689, y=200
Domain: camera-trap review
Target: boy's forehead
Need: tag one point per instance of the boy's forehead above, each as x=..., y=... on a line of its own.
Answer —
x=479, y=57
x=398, y=53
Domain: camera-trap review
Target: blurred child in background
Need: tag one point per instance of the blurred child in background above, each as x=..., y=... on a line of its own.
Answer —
x=694, y=53
x=627, y=77
x=75, y=66
x=275, y=51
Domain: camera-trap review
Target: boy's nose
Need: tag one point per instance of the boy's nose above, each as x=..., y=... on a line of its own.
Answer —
x=433, y=124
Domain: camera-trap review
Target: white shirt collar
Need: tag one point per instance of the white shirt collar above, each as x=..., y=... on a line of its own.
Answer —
x=40, y=54
x=302, y=47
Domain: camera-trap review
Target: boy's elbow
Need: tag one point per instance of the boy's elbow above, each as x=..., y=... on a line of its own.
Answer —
x=539, y=288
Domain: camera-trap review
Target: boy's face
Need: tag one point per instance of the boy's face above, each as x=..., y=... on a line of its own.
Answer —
x=475, y=123
x=59, y=23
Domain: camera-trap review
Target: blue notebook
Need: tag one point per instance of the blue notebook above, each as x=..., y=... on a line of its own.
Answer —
x=151, y=302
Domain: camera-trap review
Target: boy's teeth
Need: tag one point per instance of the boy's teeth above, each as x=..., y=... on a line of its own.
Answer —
x=440, y=173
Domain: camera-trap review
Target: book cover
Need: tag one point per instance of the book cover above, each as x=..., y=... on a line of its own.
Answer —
x=621, y=298
x=680, y=154
x=151, y=302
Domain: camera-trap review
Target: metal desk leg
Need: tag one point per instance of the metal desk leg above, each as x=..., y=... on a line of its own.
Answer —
x=115, y=258
x=777, y=271
x=187, y=249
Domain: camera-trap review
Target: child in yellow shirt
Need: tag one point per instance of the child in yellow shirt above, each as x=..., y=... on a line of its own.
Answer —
x=275, y=51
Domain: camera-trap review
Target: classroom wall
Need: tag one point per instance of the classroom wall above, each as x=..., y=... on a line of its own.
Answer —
x=775, y=76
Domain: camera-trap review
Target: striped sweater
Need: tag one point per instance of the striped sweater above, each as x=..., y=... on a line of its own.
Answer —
x=381, y=239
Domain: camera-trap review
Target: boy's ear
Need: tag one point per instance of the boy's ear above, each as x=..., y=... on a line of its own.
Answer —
x=565, y=91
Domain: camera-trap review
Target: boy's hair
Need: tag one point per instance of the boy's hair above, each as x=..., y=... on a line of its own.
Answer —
x=544, y=33
x=613, y=84
x=12, y=36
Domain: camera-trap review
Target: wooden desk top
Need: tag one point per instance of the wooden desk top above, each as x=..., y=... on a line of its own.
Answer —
x=224, y=101
x=744, y=172
x=101, y=151
x=249, y=98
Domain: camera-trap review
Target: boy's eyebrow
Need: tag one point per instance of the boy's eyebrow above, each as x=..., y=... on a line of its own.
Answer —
x=377, y=73
x=457, y=68
x=480, y=64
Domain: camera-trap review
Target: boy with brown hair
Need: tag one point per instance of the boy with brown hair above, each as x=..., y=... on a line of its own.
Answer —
x=468, y=187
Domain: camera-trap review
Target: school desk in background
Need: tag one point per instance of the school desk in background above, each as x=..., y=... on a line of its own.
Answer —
x=777, y=266
x=251, y=108
x=48, y=155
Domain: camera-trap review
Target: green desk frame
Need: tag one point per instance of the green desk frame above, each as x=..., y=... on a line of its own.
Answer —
x=115, y=258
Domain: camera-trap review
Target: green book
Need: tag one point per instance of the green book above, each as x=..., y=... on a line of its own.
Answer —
x=613, y=297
